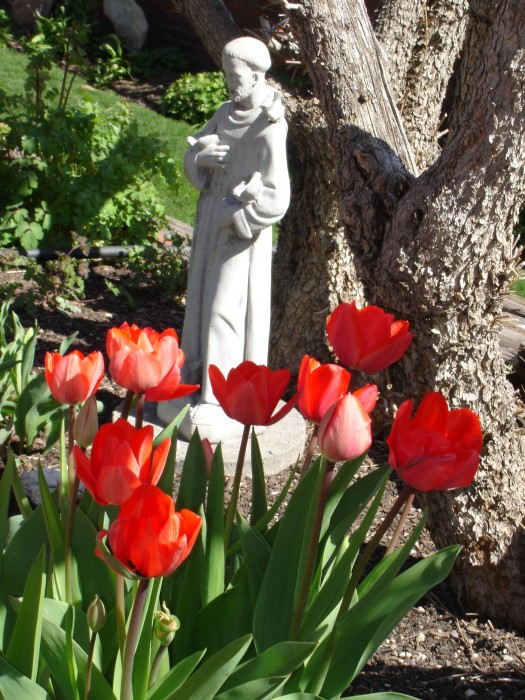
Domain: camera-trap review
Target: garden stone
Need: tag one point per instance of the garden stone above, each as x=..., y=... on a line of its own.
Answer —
x=129, y=21
x=238, y=161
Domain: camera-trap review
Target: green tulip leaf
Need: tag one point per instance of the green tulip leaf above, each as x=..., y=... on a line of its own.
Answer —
x=364, y=627
x=95, y=577
x=267, y=518
x=15, y=686
x=54, y=651
x=64, y=345
x=276, y=603
x=175, y=677
x=206, y=681
x=35, y=410
x=21, y=552
x=338, y=488
x=351, y=504
x=213, y=583
x=260, y=689
x=56, y=537
x=383, y=696
x=142, y=660
x=193, y=480
x=5, y=495
x=18, y=490
x=301, y=696
x=186, y=593
x=280, y=660
x=167, y=478
x=24, y=647
x=256, y=553
x=259, y=503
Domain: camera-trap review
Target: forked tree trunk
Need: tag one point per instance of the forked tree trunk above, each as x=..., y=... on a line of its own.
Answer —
x=435, y=248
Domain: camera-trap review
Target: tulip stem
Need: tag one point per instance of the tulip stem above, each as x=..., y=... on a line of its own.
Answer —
x=311, y=555
x=232, y=505
x=89, y=665
x=73, y=493
x=73, y=484
x=126, y=406
x=139, y=411
x=120, y=611
x=310, y=451
x=400, y=524
x=370, y=549
x=156, y=665
x=130, y=647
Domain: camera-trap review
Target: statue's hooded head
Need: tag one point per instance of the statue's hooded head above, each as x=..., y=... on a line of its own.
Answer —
x=249, y=50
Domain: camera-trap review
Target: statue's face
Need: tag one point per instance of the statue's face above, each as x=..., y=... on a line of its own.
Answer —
x=240, y=79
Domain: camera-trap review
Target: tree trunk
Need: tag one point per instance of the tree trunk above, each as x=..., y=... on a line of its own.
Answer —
x=435, y=248
x=451, y=242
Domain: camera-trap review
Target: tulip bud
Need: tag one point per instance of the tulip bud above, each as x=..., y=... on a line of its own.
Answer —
x=166, y=625
x=86, y=423
x=96, y=615
x=345, y=431
x=208, y=455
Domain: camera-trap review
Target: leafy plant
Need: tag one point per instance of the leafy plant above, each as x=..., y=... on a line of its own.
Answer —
x=157, y=268
x=5, y=28
x=110, y=64
x=194, y=98
x=151, y=62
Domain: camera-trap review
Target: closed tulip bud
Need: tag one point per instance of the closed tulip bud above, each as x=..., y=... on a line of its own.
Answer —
x=96, y=615
x=166, y=625
x=86, y=423
x=345, y=431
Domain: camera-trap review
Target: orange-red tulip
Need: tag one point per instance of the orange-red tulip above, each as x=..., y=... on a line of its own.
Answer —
x=73, y=377
x=251, y=392
x=319, y=387
x=367, y=339
x=122, y=458
x=147, y=362
x=149, y=537
x=345, y=431
x=436, y=449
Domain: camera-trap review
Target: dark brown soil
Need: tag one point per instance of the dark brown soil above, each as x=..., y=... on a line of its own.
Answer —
x=440, y=650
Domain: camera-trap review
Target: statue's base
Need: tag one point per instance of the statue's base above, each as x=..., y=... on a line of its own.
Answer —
x=281, y=444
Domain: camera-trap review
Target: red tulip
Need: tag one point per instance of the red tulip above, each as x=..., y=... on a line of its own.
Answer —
x=251, y=392
x=72, y=378
x=122, y=459
x=319, y=387
x=149, y=537
x=147, y=362
x=367, y=339
x=345, y=431
x=437, y=448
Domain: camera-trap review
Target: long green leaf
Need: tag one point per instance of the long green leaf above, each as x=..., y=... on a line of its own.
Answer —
x=169, y=683
x=192, y=489
x=225, y=619
x=213, y=584
x=280, y=660
x=5, y=494
x=276, y=603
x=363, y=628
x=165, y=482
x=206, y=681
x=56, y=536
x=15, y=686
x=54, y=650
x=260, y=689
x=259, y=503
x=141, y=663
x=24, y=648
x=256, y=553
x=35, y=410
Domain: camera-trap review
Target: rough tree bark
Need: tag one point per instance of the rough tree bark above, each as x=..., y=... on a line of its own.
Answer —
x=434, y=248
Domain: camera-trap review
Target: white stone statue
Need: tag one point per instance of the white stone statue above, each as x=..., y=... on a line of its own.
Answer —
x=238, y=161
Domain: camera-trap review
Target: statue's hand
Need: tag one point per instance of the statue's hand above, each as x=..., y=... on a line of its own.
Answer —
x=213, y=156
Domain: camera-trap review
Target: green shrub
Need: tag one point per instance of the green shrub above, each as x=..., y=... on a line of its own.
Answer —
x=79, y=169
x=195, y=98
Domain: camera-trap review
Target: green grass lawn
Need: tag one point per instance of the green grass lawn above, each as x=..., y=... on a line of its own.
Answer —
x=180, y=205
